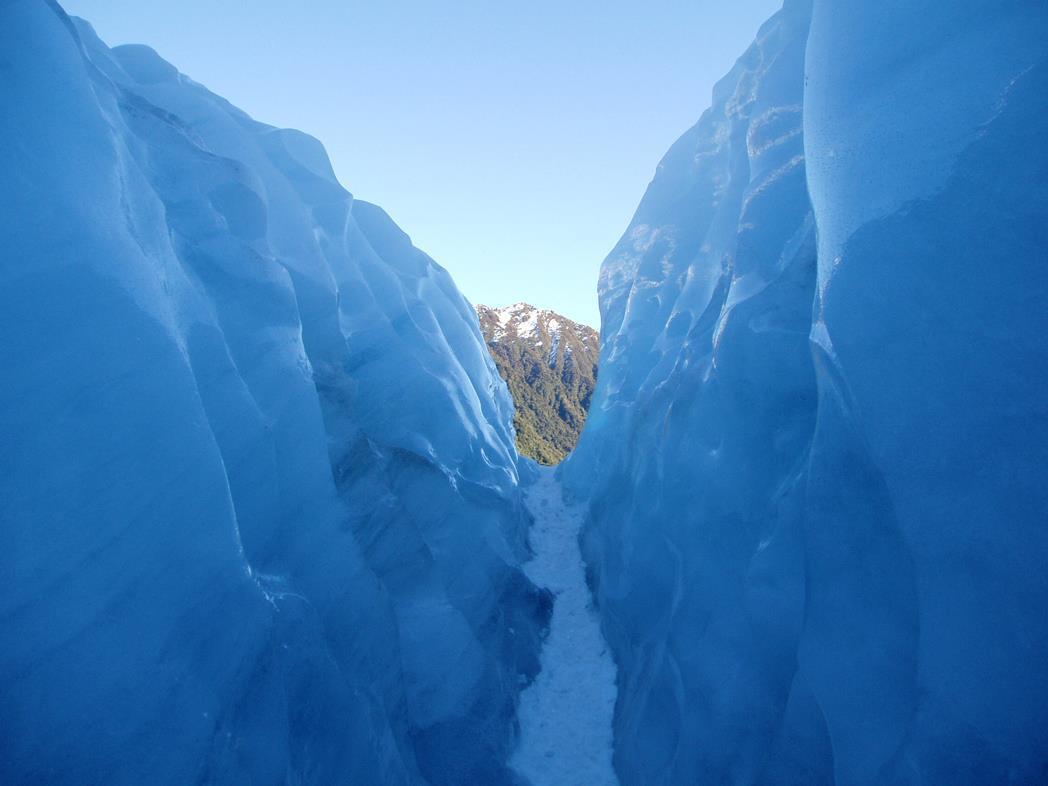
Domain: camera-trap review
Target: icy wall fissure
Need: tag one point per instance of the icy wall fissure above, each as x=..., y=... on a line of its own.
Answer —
x=261, y=505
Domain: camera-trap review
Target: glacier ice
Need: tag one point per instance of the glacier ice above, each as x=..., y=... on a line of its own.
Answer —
x=815, y=462
x=932, y=346
x=261, y=514
x=259, y=492
x=698, y=430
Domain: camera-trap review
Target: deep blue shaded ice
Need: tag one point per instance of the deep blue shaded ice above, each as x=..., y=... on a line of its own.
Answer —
x=816, y=460
x=261, y=515
x=259, y=492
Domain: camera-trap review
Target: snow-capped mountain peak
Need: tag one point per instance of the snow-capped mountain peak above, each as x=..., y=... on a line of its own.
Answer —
x=523, y=320
x=550, y=365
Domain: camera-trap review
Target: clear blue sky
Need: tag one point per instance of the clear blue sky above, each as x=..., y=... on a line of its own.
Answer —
x=511, y=140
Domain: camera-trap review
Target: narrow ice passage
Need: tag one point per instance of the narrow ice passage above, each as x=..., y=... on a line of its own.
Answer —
x=565, y=715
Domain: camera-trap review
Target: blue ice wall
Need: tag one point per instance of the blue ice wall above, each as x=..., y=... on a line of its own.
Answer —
x=816, y=457
x=258, y=486
x=926, y=129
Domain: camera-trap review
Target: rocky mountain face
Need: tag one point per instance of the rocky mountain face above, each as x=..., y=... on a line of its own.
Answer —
x=550, y=365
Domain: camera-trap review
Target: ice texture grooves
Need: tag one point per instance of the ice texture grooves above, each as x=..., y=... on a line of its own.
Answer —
x=565, y=715
x=694, y=446
x=815, y=460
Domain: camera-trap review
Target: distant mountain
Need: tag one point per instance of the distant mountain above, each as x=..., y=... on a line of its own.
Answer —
x=550, y=365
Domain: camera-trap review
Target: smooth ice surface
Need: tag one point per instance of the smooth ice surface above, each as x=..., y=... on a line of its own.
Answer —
x=815, y=462
x=931, y=344
x=261, y=515
x=565, y=715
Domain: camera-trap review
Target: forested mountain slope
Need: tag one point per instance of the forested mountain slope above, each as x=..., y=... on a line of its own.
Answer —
x=550, y=365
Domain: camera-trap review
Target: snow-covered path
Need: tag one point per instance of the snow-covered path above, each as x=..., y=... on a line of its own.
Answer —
x=565, y=715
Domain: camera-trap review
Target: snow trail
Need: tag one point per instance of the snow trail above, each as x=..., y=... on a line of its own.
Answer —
x=565, y=715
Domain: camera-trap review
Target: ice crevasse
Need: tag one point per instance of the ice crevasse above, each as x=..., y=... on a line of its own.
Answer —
x=261, y=518
x=815, y=461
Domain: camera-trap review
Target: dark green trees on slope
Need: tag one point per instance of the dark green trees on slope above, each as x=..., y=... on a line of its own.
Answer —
x=550, y=365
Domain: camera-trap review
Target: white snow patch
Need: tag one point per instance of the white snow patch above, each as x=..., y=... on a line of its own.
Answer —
x=565, y=715
x=530, y=325
x=505, y=316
